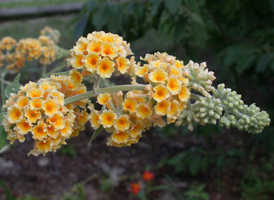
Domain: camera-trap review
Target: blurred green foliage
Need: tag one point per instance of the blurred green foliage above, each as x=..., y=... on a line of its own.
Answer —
x=238, y=33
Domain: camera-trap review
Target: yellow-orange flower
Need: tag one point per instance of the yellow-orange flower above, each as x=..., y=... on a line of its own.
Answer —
x=81, y=45
x=50, y=106
x=91, y=60
x=36, y=103
x=122, y=123
x=44, y=146
x=123, y=64
x=161, y=93
x=184, y=94
x=174, y=109
x=103, y=98
x=120, y=137
x=158, y=76
x=23, y=126
x=107, y=118
x=142, y=71
x=159, y=64
x=22, y=101
x=179, y=64
x=143, y=111
x=94, y=119
x=175, y=71
x=130, y=105
x=14, y=114
x=105, y=68
x=60, y=97
x=35, y=92
x=39, y=131
x=52, y=132
x=108, y=49
x=162, y=107
x=174, y=85
x=76, y=61
x=32, y=115
x=136, y=131
x=75, y=76
x=94, y=46
x=57, y=120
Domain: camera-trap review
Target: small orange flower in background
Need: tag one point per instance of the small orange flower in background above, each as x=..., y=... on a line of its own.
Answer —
x=148, y=176
x=135, y=188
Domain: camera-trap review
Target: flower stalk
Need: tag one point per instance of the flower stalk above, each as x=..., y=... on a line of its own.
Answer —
x=111, y=89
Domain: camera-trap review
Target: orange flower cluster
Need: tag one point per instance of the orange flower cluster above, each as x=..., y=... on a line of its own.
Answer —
x=125, y=119
x=101, y=53
x=16, y=53
x=39, y=108
x=170, y=87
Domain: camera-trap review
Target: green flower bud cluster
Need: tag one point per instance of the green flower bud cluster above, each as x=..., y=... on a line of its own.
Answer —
x=186, y=117
x=207, y=111
x=200, y=79
x=237, y=114
x=60, y=52
x=253, y=121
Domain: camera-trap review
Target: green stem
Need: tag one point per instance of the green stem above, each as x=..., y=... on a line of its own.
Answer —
x=229, y=110
x=44, y=71
x=60, y=67
x=3, y=98
x=196, y=96
x=111, y=89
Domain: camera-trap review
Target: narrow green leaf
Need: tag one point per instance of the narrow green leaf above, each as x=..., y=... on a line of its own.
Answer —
x=194, y=165
x=264, y=62
x=3, y=136
x=245, y=63
x=205, y=163
x=155, y=6
x=115, y=18
x=81, y=26
x=176, y=159
x=272, y=66
x=232, y=56
x=158, y=187
x=172, y=5
x=179, y=31
x=14, y=87
x=95, y=134
x=2, y=116
x=100, y=16
x=7, y=190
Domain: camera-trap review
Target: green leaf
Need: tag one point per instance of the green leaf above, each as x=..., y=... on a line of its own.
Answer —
x=158, y=187
x=194, y=165
x=205, y=163
x=245, y=63
x=3, y=136
x=115, y=18
x=172, y=5
x=220, y=160
x=14, y=87
x=180, y=30
x=272, y=66
x=176, y=159
x=7, y=190
x=100, y=16
x=264, y=62
x=155, y=6
x=95, y=134
x=232, y=56
x=81, y=26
